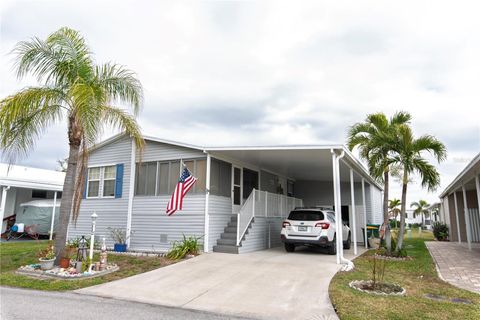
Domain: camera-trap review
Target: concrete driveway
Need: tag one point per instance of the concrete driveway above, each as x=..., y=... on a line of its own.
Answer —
x=269, y=284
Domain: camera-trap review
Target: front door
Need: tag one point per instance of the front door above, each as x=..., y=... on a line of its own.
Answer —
x=237, y=189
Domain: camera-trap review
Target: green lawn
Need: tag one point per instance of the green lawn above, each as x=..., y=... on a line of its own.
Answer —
x=418, y=276
x=13, y=255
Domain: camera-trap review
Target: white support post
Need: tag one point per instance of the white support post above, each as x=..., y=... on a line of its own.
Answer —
x=364, y=213
x=206, y=237
x=53, y=214
x=253, y=209
x=338, y=218
x=477, y=187
x=456, y=216
x=467, y=218
x=354, y=231
x=266, y=205
x=3, y=203
x=131, y=194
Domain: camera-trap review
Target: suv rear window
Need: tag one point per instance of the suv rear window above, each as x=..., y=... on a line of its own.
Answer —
x=306, y=215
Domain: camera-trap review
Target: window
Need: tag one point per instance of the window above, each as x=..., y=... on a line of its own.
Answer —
x=221, y=178
x=306, y=215
x=93, y=182
x=109, y=176
x=101, y=182
x=39, y=194
x=290, y=188
x=161, y=178
x=146, y=178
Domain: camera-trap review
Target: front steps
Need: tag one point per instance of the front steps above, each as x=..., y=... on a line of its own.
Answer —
x=228, y=239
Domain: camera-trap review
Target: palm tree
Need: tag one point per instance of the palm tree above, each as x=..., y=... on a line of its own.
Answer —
x=375, y=138
x=75, y=89
x=393, y=205
x=420, y=208
x=409, y=155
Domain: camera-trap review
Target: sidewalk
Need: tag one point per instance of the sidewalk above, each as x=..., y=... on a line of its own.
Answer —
x=456, y=264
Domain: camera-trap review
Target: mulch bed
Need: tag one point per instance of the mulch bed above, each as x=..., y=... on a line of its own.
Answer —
x=380, y=287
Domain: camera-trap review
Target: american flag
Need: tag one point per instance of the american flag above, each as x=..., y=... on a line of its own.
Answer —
x=185, y=183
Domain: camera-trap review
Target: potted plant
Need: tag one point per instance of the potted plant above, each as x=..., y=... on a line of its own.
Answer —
x=119, y=237
x=68, y=254
x=46, y=257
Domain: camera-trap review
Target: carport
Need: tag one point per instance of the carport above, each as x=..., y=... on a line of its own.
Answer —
x=317, y=175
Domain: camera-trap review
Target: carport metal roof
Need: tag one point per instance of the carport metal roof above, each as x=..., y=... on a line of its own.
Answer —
x=301, y=162
x=33, y=178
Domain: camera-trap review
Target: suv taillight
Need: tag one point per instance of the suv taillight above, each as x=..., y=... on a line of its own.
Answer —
x=285, y=224
x=323, y=225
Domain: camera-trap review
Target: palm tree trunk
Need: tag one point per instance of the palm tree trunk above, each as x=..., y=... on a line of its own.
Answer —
x=67, y=194
x=402, y=213
x=385, y=211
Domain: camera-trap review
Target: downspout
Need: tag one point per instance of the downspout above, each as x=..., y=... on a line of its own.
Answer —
x=347, y=264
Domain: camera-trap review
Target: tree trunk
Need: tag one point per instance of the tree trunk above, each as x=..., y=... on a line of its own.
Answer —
x=386, y=224
x=402, y=213
x=74, y=137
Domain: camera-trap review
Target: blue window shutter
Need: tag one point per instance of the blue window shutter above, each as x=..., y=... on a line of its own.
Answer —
x=85, y=187
x=119, y=181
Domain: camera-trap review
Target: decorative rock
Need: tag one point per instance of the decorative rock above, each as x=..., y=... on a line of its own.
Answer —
x=62, y=273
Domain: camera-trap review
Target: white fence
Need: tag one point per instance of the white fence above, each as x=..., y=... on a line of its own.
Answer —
x=264, y=204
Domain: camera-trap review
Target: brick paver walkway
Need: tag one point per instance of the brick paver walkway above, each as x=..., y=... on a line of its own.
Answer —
x=456, y=264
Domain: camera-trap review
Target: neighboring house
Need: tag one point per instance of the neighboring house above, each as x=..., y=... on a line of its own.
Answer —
x=20, y=184
x=130, y=190
x=460, y=203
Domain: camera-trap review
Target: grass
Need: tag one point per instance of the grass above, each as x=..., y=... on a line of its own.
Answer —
x=418, y=276
x=14, y=255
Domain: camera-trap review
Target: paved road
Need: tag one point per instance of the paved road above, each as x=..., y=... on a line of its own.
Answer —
x=19, y=304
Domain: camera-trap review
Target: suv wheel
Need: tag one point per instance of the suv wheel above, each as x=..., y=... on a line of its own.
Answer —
x=332, y=249
x=289, y=247
x=348, y=243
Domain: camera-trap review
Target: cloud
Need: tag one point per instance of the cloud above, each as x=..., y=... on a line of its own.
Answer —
x=272, y=72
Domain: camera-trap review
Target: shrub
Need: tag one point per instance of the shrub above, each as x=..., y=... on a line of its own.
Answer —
x=393, y=224
x=186, y=246
x=440, y=231
x=118, y=235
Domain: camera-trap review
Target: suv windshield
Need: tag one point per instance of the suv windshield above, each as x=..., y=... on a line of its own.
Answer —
x=306, y=215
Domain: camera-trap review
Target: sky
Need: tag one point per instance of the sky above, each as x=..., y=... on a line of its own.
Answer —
x=274, y=72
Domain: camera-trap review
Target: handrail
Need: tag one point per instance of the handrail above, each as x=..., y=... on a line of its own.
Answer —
x=245, y=216
x=264, y=204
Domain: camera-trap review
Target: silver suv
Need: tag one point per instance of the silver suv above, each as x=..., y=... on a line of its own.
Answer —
x=312, y=227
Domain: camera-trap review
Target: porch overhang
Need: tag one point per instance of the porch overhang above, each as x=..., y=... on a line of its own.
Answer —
x=298, y=162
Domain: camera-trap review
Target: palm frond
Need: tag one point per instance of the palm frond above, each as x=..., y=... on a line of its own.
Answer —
x=121, y=120
x=432, y=145
x=25, y=116
x=120, y=84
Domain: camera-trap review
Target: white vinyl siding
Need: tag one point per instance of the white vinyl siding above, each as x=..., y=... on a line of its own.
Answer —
x=153, y=230
x=220, y=214
x=111, y=211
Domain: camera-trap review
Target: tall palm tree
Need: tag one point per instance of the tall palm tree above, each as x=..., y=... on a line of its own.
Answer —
x=420, y=208
x=73, y=89
x=393, y=205
x=375, y=138
x=409, y=155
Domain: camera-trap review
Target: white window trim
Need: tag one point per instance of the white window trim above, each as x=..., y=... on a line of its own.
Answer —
x=101, y=181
